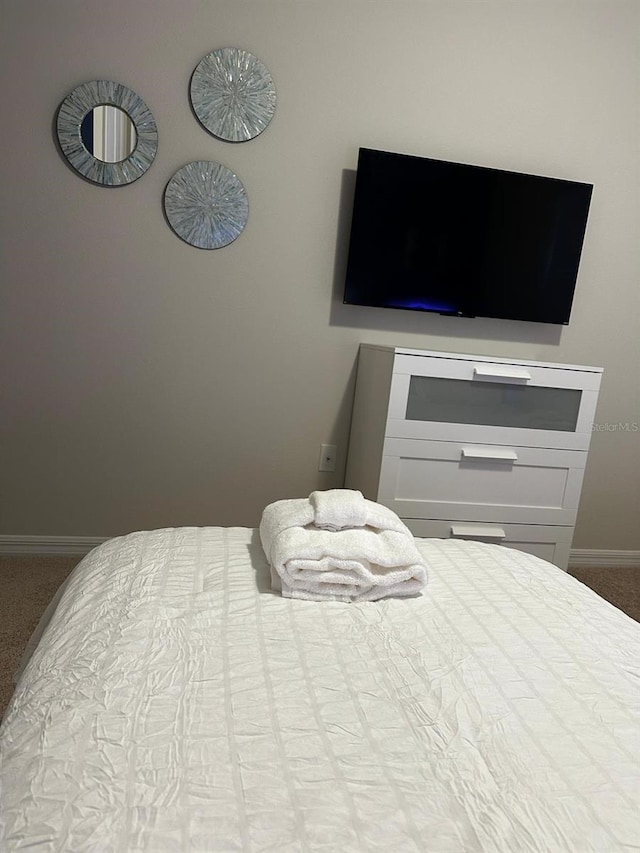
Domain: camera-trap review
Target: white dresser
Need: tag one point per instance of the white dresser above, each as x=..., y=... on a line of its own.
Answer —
x=474, y=447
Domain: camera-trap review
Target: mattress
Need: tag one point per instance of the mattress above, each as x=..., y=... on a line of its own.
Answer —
x=175, y=703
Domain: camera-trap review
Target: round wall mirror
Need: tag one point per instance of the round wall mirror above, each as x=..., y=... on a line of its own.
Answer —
x=107, y=133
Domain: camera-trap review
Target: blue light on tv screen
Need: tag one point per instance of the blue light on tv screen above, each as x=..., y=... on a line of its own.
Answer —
x=424, y=305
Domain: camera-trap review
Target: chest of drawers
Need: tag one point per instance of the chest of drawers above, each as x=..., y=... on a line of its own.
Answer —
x=474, y=446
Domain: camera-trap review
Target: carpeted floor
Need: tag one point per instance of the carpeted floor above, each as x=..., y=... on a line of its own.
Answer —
x=620, y=586
x=29, y=583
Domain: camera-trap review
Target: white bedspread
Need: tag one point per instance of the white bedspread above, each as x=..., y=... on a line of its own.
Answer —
x=176, y=704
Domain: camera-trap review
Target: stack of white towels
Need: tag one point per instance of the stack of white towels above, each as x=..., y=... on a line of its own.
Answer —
x=336, y=545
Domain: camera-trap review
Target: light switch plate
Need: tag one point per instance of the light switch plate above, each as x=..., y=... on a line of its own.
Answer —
x=327, y=461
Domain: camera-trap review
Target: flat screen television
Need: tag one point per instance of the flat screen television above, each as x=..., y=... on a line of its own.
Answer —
x=470, y=241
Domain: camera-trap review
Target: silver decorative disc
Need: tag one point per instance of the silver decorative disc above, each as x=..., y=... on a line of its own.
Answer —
x=232, y=94
x=206, y=204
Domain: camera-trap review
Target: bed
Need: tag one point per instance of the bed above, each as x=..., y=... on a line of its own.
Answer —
x=173, y=702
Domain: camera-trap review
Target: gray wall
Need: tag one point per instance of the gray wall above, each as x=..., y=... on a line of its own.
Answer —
x=147, y=383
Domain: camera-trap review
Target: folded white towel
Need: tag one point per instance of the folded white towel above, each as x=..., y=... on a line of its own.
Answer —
x=348, y=565
x=301, y=512
x=357, y=564
x=281, y=515
x=337, y=509
x=333, y=509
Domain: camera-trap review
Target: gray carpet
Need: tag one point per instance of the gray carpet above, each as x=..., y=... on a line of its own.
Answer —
x=620, y=586
x=29, y=583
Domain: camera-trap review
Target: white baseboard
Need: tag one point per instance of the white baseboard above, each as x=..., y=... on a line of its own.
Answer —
x=594, y=559
x=71, y=546
x=49, y=546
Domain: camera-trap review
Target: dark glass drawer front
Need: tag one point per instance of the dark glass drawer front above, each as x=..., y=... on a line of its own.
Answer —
x=492, y=403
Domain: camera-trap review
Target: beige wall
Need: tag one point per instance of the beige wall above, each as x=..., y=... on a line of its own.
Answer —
x=146, y=383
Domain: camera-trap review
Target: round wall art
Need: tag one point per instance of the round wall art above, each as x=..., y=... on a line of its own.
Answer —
x=107, y=133
x=206, y=204
x=232, y=94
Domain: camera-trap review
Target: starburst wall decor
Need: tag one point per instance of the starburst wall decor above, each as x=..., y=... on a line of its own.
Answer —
x=108, y=135
x=232, y=94
x=234, y=98
x=206, y=204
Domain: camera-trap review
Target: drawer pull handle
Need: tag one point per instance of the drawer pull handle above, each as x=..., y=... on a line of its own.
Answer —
x=498, y=454
x=504, y=372
x=477, y=531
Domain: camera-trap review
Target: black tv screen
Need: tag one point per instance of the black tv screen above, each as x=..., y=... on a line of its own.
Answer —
x=471, y=241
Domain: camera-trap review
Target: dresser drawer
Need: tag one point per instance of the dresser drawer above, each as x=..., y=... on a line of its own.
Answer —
x=547, y=542
x=477, y=368
x=467, y=400
x=470, y=481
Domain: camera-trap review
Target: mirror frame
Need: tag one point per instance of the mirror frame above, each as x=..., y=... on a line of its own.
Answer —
x=75, y=107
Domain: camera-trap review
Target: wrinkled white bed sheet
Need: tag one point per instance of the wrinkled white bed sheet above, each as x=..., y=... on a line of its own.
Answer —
x=176, y=704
